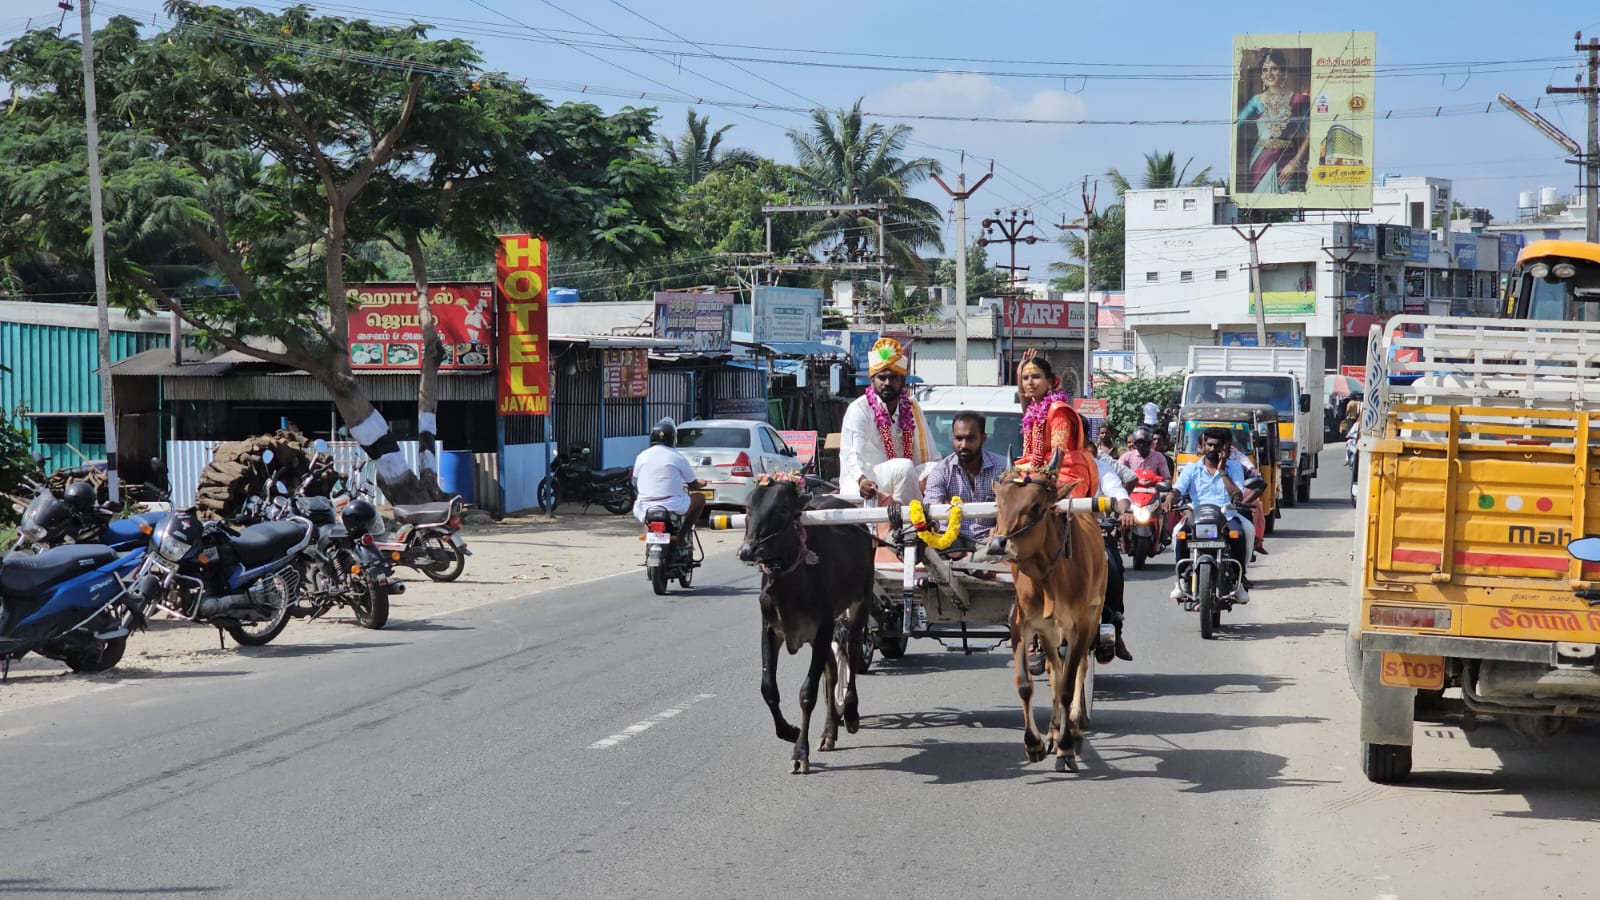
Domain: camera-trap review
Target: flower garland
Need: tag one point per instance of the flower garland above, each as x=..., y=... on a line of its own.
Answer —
x=1035, y=421
x=907, y=424
x=791, y=478
x=919, y=520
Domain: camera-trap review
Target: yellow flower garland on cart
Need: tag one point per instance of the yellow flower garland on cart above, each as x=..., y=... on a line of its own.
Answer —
x=919, y=519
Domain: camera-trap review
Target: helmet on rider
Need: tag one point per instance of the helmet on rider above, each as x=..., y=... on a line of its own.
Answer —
x=664, y=433
x=80, y=495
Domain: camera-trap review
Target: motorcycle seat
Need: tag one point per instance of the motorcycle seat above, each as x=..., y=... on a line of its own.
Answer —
x=424, y=513
x=260, y=544
x=615, y=473
x=25, y=577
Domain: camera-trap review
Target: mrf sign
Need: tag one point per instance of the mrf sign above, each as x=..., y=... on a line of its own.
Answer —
x=519, y=278
x=1026, y=317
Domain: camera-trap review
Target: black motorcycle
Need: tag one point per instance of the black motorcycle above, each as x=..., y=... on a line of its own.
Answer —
x=246, y=582
x=344, y=566
x=666, y=558
x=572, y=479
x=1209, y=572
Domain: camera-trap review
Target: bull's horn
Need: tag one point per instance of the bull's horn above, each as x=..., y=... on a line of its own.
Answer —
x=1054, y=465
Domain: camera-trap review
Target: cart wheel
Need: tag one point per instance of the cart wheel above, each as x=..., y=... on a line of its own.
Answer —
x=1386, y=763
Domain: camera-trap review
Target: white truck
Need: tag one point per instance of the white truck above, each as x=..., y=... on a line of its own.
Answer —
x=1285, y=377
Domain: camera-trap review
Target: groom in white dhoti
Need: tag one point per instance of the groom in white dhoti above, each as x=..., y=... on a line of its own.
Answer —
x=884, y=444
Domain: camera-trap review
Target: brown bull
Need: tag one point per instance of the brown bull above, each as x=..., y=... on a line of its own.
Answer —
x=1060, y=568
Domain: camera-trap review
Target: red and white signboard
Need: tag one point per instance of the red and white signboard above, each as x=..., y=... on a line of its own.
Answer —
x=386, y=331
x=804, y=444
x=1026, y=317
x=1091, y=408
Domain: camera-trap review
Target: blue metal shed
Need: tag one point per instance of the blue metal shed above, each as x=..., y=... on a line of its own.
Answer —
x=51, y=359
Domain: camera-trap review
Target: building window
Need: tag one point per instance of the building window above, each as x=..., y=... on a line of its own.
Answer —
x=1161, y=204
x=50, y=429
x=1152, y=277
x=94, y=429
x=1185, y=276
x=1188, y=204
x=1222, y=274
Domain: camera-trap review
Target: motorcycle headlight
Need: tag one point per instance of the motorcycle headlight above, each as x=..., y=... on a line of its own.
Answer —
x=173, y=548
x=1206, y=532
x=1141, y=515
x=33, y=532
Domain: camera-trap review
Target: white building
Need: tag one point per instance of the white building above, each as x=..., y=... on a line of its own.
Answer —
x=1187, y=270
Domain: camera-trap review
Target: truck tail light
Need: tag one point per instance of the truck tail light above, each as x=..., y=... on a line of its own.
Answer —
x=1410, y=617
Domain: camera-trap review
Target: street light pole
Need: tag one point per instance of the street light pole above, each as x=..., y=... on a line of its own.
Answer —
x=1011, y=227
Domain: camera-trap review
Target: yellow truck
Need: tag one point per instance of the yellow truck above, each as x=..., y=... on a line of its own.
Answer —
x=1480, y=445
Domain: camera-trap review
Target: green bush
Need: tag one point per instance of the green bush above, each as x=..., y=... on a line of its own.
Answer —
x=1125, y=400
x=15, y=462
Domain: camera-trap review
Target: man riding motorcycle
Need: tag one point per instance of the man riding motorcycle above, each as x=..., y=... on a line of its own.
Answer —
x=1216, y=481
x=664, y=478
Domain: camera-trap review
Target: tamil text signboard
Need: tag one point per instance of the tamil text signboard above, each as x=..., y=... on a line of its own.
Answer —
x=627, y=374
x=700, y=322
x=786, y=314
x=386, y=328
x=520, y=268
x=1302, y=114
x=1026, y=317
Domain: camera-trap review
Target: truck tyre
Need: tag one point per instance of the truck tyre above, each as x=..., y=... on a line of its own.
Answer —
x=1291, y=490
x=1303, y=485
x=1386, y=763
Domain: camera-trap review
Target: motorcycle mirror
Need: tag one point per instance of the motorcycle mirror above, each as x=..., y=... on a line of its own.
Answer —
x=1163, y=486
x=1256, y=484
x=266, y=457
x=319, y=445
x=1586, y=549
x=282, y=488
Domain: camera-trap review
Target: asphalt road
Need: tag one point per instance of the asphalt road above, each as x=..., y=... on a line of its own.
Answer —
x=598, y=741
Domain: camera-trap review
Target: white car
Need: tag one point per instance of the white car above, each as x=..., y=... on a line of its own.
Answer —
x=728, y=454
x=1001, y=411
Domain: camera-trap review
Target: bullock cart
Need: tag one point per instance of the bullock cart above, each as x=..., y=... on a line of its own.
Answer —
x=965, y=605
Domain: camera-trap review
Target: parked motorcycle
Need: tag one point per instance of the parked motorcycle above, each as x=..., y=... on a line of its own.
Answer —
x=665, y=558
x=429, y=539
x=66, y=603
x=74, y=518
x=344, y=566
x=1209, y=573
x=571, y=480
x=245, y=582
x=1148, y=536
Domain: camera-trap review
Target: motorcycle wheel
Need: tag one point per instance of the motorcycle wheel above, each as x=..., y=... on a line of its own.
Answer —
x=372, y=604
x=620, y=499
x=1139, y=553
x=438, y=571
x=1205, y=590
x=259, y=634
x=658, y=580
x=102, y=656
x=548, y=496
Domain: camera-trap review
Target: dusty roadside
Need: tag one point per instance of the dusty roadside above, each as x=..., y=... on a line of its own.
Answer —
x=517, y=557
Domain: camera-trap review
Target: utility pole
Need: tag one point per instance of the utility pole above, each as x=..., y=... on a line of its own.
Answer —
x=1341, y=257
x=960, y=195
x=1255, y=280
x=1089, y=317
x=851, y=261
x=97, y=224
x=1590, y=157
x=1011, y=227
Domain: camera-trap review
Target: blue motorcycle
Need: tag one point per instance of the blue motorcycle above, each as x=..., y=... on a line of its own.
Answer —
x=67, y=604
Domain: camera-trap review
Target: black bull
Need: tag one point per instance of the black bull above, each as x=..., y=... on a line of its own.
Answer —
x=810, y=578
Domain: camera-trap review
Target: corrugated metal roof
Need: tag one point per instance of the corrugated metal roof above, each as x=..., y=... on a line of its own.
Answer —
x=618, y=341
x=76, y=316
x=794, y=348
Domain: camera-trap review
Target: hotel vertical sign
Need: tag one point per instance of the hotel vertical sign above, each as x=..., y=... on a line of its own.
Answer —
x=519, y=277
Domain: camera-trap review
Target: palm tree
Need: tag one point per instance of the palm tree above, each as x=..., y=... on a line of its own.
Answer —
x=1161, y=171
x=698, y=151
x=843, y=160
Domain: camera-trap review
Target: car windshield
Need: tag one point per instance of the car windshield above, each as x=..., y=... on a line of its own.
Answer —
x=731, y=437
x=1005, y=432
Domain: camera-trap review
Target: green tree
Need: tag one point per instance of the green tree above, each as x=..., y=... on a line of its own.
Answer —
x=982, y=281
x=698, y=151
x=15, y=460
x=1108, y=261
x=1160, y=171
x=255, y=137
x=1125, y=400
x=841, y=159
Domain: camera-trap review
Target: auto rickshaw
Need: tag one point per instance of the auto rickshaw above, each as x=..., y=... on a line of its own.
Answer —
x=1255, y=433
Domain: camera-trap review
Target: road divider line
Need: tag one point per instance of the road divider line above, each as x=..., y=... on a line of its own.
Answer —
x=641, y=727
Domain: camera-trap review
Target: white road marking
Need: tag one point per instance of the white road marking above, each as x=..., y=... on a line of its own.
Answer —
x=638, y=728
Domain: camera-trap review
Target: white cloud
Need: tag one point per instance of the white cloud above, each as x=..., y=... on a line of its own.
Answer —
x=968, y=94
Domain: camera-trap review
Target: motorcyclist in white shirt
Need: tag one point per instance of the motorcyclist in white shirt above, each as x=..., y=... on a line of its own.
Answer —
x=664, y=478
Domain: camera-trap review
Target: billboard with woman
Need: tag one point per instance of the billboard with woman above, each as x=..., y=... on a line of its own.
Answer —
x=1302, y=136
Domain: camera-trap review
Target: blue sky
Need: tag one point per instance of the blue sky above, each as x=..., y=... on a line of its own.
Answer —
x=1181, y=49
